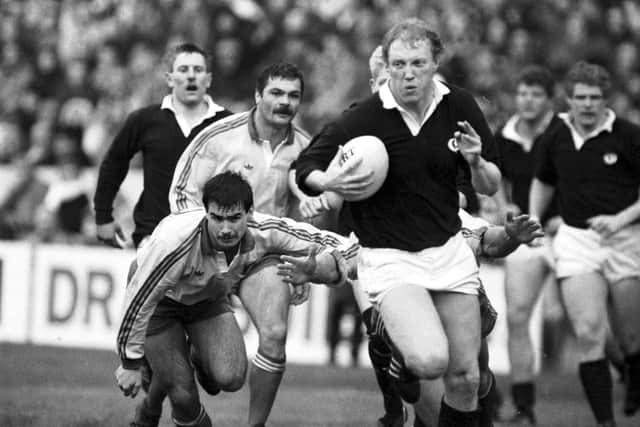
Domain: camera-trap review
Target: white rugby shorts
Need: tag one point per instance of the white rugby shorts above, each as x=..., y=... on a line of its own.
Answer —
x=580, y=251
x=623, y=254
x=451, y=267
x=545, y=251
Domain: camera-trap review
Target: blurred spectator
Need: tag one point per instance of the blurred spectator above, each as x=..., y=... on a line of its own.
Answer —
x=64, y=214
x=342, y=304
x=22, y=195
x=87, y=62
x=83, y=64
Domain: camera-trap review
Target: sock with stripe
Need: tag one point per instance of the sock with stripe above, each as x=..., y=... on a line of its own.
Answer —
x=407, y=384
x=380, y=355
x=595, y=377
x=202, y=420
x=264, y=380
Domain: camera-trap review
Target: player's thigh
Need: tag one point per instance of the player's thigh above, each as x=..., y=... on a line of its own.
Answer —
x=525, y=274
x=460, y=317
x=265, y=296
x=219, y=344
x=585, y=299
x=168, y=355
x=625, y=301
x=412, y=322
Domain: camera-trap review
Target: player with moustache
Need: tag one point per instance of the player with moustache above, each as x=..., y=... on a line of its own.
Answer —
x=591, y=161
x=415, y=265
x=262, y=144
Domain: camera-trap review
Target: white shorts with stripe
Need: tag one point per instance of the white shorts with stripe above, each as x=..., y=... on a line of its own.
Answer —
x=581, y=251
x=451, y=267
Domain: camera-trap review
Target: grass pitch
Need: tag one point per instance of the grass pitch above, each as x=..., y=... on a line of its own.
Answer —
x=47, y=386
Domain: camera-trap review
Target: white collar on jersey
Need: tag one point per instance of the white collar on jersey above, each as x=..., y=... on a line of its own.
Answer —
x=389, y=102
x=212, y=107
x=579, y=140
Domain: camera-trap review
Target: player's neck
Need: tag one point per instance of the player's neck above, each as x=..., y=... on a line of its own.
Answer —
x=229, y=254
x=267, y=132
x=419, y=108
x=530, y=129
x=190, y=112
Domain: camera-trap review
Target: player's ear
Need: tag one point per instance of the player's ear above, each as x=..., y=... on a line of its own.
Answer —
x=168, y=78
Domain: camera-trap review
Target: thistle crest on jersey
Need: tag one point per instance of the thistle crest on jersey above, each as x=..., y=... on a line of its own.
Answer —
x=452, y=144
x=610, y=158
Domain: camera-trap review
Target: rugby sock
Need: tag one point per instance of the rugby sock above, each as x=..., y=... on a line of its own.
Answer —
x=524, y=397
x=380, y=355
x=596, y=381
x=450, y=417
x=632, y=398
x=264, y=380
x=489, y=400
x=202, y=420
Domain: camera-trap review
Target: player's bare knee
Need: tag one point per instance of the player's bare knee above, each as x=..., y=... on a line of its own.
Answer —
x=517, y=315
x=273, y=338
x=464, y=380
x=427, y=366
x=590, y=333
x=591, y=340
x=232, y=381
x=182, y=394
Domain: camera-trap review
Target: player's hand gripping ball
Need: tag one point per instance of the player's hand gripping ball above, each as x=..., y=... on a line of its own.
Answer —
x=373, y=154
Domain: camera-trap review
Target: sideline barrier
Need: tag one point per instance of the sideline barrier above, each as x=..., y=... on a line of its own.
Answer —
x=72, y=296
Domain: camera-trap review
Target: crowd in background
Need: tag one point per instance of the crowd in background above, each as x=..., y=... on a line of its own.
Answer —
x=71, y=70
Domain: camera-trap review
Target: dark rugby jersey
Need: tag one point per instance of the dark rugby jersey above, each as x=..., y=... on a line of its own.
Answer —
x=602, y=178
x=518, y=166
x=417, y=205
x=156, y=133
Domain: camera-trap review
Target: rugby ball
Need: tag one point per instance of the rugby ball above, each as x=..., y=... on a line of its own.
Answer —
x=374, y=157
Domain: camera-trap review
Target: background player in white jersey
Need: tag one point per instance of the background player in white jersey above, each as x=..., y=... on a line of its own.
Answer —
x=177, y=313
x=261, y=144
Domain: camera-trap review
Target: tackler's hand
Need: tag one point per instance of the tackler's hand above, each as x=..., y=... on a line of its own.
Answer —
x=522, y=228
x=129, y=381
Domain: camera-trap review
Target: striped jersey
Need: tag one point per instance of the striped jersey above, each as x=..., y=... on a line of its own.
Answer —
x=233, y=144
x=180, y=263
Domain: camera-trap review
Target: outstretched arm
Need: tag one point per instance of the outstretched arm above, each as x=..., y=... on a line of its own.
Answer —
x=315, y=267
x=499, y=242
